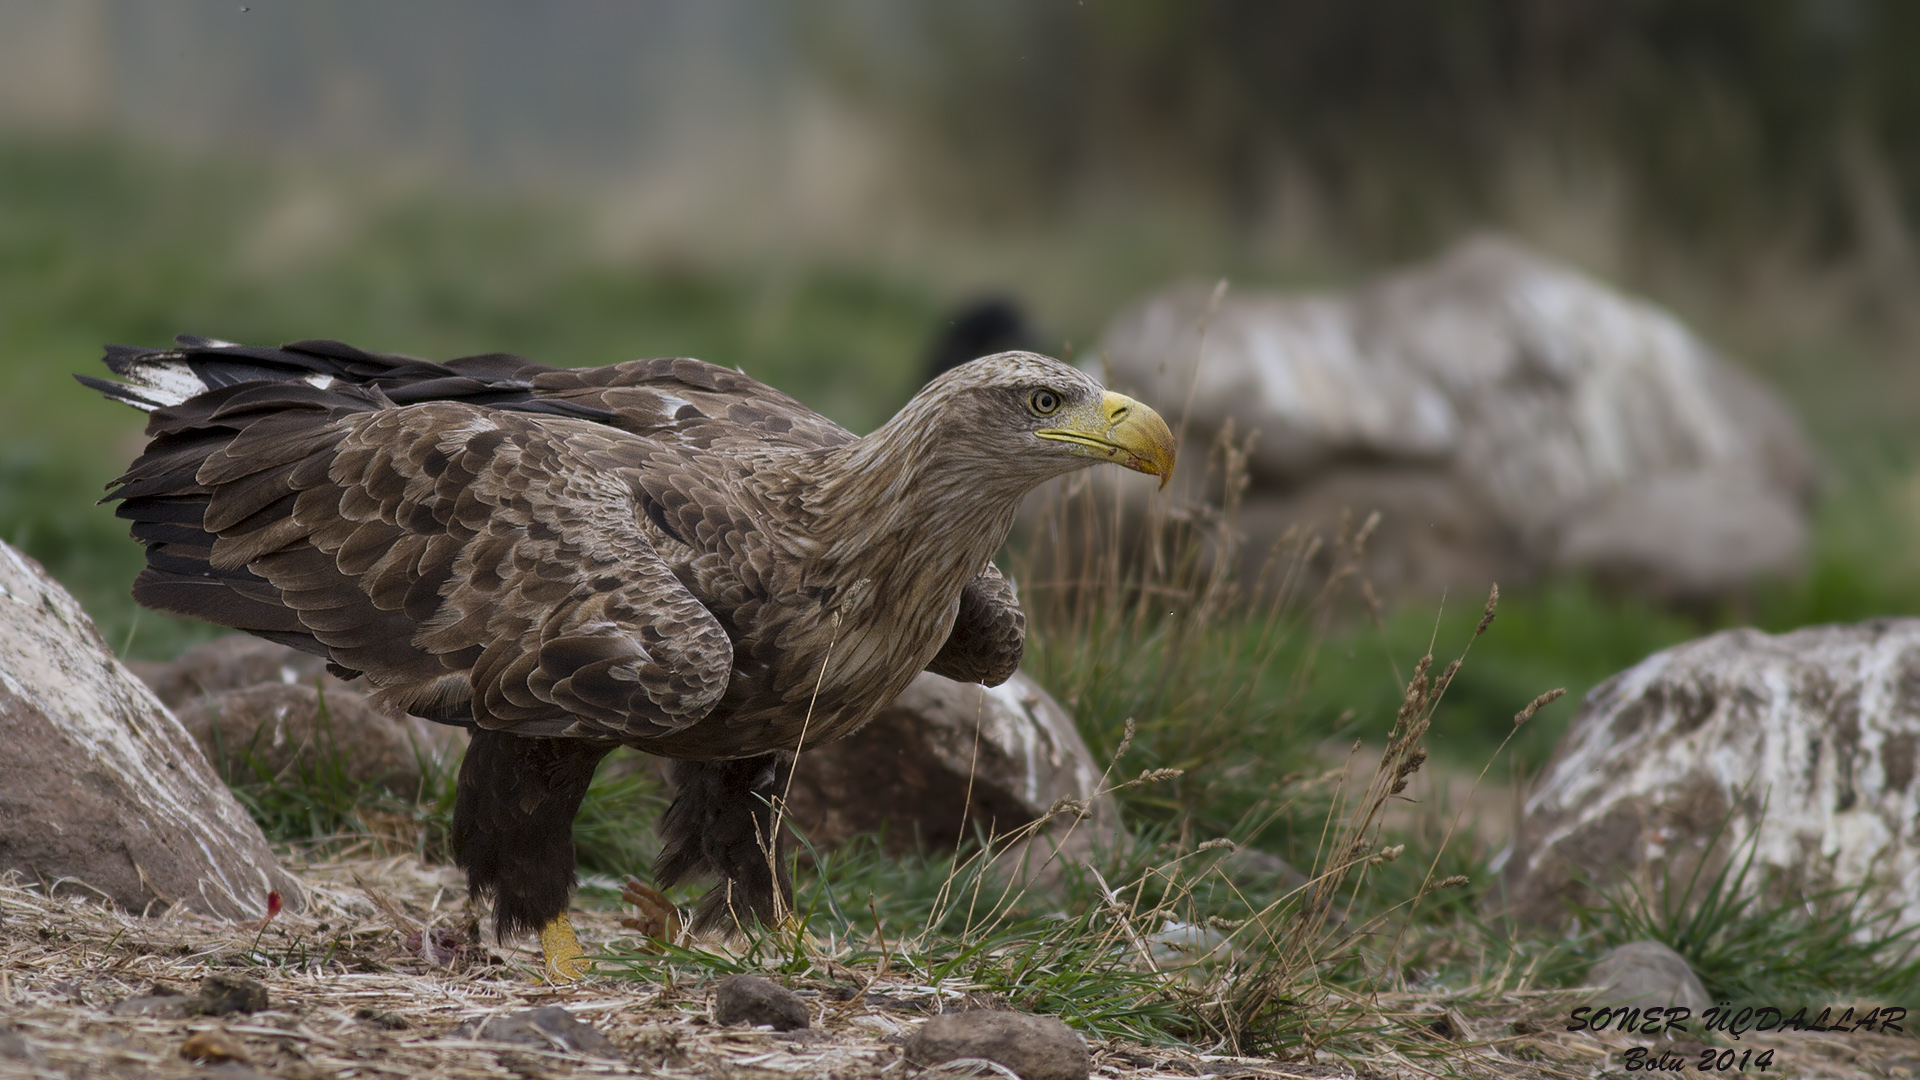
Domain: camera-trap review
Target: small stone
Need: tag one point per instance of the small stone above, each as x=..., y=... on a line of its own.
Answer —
x=1646, y=973
x=549, y=1028
x=749, y=999
x=212, y=1046
x=223, y=994
x=381, y=1019
x=1036, y=1047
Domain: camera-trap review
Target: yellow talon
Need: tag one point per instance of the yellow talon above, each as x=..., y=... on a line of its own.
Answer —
x=565, y=961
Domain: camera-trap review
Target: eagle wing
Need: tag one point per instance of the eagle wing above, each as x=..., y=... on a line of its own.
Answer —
x=680, y=408
x=699, y=406
x=473, y=562
x=989, y=633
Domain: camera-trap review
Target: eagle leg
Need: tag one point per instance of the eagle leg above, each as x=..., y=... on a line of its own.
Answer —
x=513, y=833
x=723, y=824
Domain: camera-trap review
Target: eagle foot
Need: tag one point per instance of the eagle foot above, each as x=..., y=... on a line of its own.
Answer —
x=559, y=947
x=658, y=920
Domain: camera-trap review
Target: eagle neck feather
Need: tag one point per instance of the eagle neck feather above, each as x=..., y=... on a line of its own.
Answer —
x=904, y=499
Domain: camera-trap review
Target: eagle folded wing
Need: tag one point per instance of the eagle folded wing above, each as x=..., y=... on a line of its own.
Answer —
x=989, y=633
x=473, y=562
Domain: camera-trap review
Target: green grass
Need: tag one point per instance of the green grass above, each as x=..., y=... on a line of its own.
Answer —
x=1753, y=942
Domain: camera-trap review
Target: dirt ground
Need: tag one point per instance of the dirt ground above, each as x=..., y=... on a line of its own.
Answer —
x=376, y=978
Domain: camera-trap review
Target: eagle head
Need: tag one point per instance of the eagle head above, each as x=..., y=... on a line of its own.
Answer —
x=1038, y=417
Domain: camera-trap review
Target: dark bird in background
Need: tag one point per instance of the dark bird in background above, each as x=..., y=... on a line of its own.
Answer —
x=981, y=327
x=663, y=554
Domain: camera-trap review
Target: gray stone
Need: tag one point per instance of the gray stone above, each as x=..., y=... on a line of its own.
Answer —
x=1642, y=974
x=102, y=792
x=233, y=662
x=749, y=999
x=1035, y=1047
x=292, y=730
x=220, y=995
x=1803, y=744
x=1506, y=414
x=549, y=1028
x=196, y=681
x=908, y=771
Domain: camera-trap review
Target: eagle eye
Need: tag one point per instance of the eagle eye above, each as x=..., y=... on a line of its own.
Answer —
x=1043, y=402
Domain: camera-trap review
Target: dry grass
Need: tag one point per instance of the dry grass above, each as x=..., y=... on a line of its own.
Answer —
x=349, y=997
x=353, y=993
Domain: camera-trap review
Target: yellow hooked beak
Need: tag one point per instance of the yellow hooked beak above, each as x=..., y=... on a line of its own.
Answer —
x=1120, y=430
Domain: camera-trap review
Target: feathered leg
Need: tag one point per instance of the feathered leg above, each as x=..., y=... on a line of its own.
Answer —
x=722, y=824
x=513, y=833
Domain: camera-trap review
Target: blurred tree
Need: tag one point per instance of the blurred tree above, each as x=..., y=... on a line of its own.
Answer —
x=1740, y=126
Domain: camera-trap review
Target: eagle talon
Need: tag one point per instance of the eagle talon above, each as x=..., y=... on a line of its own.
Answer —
x=658, y=920
x=565, y=962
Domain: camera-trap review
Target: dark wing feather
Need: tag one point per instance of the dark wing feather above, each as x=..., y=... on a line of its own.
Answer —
x=690, y=404
x=989, y=633
x=676, y=403
x=471, y=561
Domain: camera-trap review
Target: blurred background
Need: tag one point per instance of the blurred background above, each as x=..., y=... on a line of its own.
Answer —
x=810, y=190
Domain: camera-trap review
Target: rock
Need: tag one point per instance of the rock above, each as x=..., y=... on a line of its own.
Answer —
x=1641, y=974
x=1506, y=414
x=234, y=662
x=749, y=999
x=1035, y=1047
x=1181, y=944
x=380, y=1018
x=907, y=771
x=277, y=729
x=549, y=1028
x=220, y=995
x=102, y=792
x=242, y=662
x=1803, y=743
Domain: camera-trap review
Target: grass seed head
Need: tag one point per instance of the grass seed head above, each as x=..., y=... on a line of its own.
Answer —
x=1537, y=704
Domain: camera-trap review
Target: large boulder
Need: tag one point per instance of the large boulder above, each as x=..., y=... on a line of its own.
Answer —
x=1803, y=744
x=1506, y=414
x=102, y=792
x=294, y=730
x=233, y=662
x=254, y=704
x=948, y=756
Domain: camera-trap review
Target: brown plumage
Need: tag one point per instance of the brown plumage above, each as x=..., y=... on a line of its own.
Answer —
x=664, y=554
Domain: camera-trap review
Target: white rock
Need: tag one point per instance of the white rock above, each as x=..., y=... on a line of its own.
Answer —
x=946, y=756
x=1573, y=423
x=1805, y=743
x=102, y=792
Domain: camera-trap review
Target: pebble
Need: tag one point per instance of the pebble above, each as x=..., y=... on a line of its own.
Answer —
x=1643, y=973
x=548, y=1028
x=220, y=995
x=749, y=999
x=1036, y=1047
